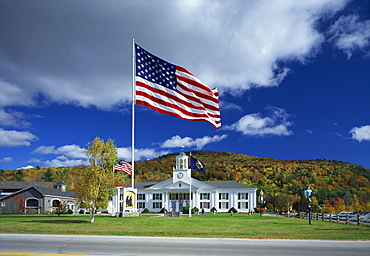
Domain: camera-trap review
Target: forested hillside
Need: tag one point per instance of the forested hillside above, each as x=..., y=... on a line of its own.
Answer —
x=338, y=185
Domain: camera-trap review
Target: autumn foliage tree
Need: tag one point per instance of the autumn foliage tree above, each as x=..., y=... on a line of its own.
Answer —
x=95, y=183
x=20, y=204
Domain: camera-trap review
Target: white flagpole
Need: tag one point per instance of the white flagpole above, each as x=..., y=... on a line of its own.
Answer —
x=190, y=204
x=133, y=115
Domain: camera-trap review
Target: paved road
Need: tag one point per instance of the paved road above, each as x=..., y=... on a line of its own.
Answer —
x=27, y=244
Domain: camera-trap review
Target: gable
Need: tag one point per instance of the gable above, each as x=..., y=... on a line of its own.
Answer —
x=180, y=185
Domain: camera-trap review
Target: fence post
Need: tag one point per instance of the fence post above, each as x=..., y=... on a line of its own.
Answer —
x=358, y=219
x=347, y=218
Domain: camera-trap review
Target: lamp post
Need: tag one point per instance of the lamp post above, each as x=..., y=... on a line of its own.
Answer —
x=308, y=194
x=261, y=202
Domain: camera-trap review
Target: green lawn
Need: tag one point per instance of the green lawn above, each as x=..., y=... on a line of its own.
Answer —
x=219, y=225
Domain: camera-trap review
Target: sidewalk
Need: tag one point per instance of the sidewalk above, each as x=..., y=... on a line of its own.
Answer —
x=270, y=214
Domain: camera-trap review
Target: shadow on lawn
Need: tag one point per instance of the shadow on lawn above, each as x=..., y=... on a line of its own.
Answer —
x=64, y=221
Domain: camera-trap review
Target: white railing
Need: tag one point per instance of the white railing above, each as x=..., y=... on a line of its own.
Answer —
x=172, y=214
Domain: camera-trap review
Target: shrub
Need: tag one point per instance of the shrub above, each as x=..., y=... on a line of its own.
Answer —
x=257, y=210
x=163, y=210
x=270, y=207
x=232, y=209
x=185, y=209
x=146, y=210
x=70, y=211
x=194, y=210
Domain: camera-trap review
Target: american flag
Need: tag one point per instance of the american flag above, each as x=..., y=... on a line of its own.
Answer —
x=123, y=166
x=172, y=90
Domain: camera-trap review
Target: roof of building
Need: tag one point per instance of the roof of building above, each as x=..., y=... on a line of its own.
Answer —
x=216, y=184
x=55, y=192
x=144, y=185
x=45, y=192
x=18, y=185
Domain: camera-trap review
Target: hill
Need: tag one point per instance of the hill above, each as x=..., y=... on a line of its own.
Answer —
x=338, y=185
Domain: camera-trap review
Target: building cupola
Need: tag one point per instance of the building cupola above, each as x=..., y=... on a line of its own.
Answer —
x=182, y=161
x=61, y=186
x=182, y=172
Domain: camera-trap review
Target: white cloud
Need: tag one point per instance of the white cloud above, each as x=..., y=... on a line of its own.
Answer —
x=34, y=160
x=349, y=34
x=6, y=160
x=198, y=143
x=66, y=162
x=361, y=133
x=26, y=167
x=12, y=138
x=125, y=153
x=44, y=150
x=13, y=95
x=230, y=106
x=73, y=155
x=236, y=45
x=70, y=151
x=255, y=125
x=67, y=155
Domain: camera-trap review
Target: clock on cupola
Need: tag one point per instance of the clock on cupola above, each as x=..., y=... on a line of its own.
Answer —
x=182, y=171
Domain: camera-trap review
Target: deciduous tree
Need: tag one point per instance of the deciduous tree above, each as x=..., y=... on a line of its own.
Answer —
x=95, y=183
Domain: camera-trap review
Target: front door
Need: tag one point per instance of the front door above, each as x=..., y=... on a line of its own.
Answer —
x=181, y=206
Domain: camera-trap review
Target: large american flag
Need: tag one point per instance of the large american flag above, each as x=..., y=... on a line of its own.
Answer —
x=172, y=90
x=123, y=166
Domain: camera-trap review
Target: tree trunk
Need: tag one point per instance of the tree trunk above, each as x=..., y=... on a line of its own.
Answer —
x=92, y=215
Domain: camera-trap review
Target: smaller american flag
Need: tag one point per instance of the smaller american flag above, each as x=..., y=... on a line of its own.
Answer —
x=123, y=166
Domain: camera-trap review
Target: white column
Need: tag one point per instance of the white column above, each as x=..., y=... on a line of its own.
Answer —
x=165, y=201
x=118, y=208
x=251, y=200
x=235, y=200
x=197, y=196
x=254, y=198
x=216, y=200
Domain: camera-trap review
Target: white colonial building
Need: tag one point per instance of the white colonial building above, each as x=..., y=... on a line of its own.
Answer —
x=173, y=194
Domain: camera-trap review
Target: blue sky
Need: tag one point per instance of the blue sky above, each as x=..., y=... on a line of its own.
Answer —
x=293, y=77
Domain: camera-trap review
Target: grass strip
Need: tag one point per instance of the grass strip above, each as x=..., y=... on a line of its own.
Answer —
x=209, y=225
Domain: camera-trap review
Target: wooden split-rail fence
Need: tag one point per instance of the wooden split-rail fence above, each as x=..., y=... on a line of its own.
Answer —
x=337, y=218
